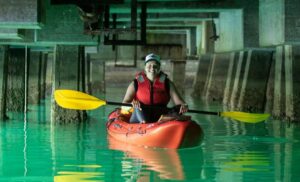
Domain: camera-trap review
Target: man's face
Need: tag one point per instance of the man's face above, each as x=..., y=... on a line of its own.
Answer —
x=152, y=67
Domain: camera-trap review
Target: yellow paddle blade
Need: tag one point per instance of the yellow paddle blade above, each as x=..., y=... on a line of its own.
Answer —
x=71, y=99
x=246, y=117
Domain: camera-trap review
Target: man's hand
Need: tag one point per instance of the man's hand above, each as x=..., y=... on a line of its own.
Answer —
x=183, y=108
x=136, y=104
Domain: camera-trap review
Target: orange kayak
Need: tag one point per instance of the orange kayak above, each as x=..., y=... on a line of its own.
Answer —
x=166, y=134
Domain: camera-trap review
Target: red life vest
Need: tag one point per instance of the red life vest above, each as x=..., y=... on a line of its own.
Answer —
x=152, y=94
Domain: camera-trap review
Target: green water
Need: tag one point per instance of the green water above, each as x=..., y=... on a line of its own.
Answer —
x=37, y=149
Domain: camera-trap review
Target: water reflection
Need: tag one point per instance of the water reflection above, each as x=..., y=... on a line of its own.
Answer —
x=165, y=163
x=248, y=161
x=80, y=173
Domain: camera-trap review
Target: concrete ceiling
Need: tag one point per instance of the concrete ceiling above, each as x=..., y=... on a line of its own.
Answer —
x=162, y=15
x=178, y=13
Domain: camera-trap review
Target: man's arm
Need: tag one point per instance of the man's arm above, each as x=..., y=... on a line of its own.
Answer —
x=177, y=99
x=130, y=94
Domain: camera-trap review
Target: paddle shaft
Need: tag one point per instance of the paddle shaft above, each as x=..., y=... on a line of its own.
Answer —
x=118, y=103
x=190, y=110
x=204, y=112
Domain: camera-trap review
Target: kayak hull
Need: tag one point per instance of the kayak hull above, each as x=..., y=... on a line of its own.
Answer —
x=168, y=134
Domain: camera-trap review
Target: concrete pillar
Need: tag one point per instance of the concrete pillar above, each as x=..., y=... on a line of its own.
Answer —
x=97, y=75
x=250, y=23
x=292, y=82
x=255, y=81
x=16, y=94
x=33, y=77
x=3, y=81
x=198, y=39
x=278, y=82
x=178, y=63
x=191, y=42
x=68, y=74
x=37, y=69
x=237, y=79
x=229, y=78
x=280, y=26
x=216, y=82
x=207, y=44
x=270, y=87
x=49, y=77
x=201, y=75
x=188, y=42
x=43, y=66
x=174, y=53
x=178, y=74
x=230, y=29
x=286, y=83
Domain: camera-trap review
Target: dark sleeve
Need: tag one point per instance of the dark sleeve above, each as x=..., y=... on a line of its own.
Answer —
x=135, y=85
x=167, y=85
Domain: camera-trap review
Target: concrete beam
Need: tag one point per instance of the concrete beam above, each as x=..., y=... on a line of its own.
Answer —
x=169, y=16
x=20, y=14
x=11, y=34
x=64, y=27
x=179, y=7
x=20, y=37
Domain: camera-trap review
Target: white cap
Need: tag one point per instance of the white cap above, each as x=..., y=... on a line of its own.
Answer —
x=152, y=57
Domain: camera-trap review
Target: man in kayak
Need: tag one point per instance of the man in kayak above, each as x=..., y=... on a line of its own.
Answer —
x=150, y=92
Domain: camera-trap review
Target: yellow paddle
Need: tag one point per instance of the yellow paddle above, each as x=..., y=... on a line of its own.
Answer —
x=71, y=99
